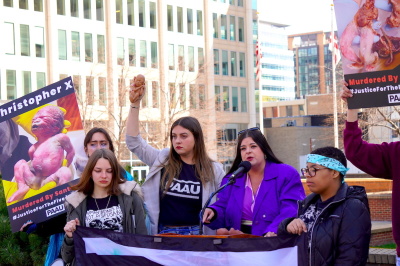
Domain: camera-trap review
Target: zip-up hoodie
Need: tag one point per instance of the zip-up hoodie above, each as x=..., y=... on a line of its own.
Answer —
x=131, y=202
x=340, y=233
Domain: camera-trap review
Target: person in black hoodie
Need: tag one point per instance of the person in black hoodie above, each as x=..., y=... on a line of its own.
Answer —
x=334, y=218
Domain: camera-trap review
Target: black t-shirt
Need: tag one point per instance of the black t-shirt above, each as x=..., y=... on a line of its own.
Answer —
x=181, y=204
x=311, y=214
x=106, y=214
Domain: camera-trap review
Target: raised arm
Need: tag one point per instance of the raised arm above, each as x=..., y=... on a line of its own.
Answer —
x=135, y=95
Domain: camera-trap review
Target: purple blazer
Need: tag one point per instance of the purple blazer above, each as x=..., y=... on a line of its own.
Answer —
x=277, y=199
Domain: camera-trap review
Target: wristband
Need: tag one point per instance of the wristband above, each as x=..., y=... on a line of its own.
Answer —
x=135, y=107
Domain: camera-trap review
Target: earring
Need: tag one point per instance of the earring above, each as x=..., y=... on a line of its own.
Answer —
x=265, y=157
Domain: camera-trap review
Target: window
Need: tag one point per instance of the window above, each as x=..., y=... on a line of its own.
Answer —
x=189, y=21
x=74, y=7
x=90, y=90
x=181, y=58
x=88, y=47
x=23, y=4
x=87, y=9
x=235, y=99
x=119, y=12
x=25, y=40
x=77, y=83
x=76, y=47
x=143, y=54
x=38, y=5
x=9, y=40
x=154, y=55
x=101, y=51
x=233, y=64
x=216, y=62
x=99, y=10
x=120, y=51
x=62, y=45
x=232, y=2
x=26, y=82
x=102, y=91
x=172, y=96
x=243, y=100
x=200, y=52
x=131, y=13
x=242, y=65
x=217, y=98
x=61, y=7
x=182, y=96
x=199, y=22
x=121, y=87
x=241, y=29
x=191, y=58
x=153, y=15
x=224, y=63
x=155, y=94
x=240, y=2
x=202, y=97
x=8, y=3
x=132, y=52
x=142, y=13
x=170, y=18
x=193, y=96
x=224, y=27
x=171, y=57
x=40, y=80
x=232, y=27
x=215, y=25
x=11, y=84
x=179, y=14
x=225, y=98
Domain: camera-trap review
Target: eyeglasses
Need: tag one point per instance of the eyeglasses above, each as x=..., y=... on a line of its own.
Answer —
x=312, y=171
x=249, y=129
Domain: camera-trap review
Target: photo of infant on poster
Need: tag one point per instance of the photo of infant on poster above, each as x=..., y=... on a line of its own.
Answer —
x=41, y=152
x=369, y=36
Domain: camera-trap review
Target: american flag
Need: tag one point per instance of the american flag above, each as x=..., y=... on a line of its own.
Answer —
x=334, y=48
x=258, y=62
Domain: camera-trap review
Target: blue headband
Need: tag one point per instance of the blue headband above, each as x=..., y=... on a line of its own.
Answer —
x=328, y=163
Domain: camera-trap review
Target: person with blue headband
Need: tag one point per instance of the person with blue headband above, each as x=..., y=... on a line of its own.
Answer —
x=334, y=218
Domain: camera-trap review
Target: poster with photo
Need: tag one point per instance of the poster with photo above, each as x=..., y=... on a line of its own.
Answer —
x=369, y=40
x=41, y=136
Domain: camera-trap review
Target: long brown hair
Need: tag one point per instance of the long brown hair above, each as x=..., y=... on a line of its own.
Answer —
x=203, y=163
x=94, y=130
x=86, y=184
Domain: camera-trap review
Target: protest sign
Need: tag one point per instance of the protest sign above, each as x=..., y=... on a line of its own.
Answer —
x=38, y=163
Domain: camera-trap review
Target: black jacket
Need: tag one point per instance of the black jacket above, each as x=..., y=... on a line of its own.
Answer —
x=341, y=232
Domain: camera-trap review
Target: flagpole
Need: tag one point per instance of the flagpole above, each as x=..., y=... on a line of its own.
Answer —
x=258, y=76
x=335, y=116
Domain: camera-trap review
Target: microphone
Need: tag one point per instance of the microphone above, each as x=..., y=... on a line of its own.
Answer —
x=244, y=167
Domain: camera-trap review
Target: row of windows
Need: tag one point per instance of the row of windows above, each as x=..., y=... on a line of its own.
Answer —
x=273, y=45
x=231, y=2
x=24, y=4
x=276, y=77
x=181, y=25
x=276, y=67
x=276, y=56
x=308, y=51
x=273, y=88
x=26, y=83
x=233, y=63
x=22, y=34
x=186, y=58
x=222, y=30
x=230, y=99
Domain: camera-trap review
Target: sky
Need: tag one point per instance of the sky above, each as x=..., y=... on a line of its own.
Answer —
x=302, y=15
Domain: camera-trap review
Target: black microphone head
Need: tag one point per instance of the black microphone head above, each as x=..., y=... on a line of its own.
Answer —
x=246, y=165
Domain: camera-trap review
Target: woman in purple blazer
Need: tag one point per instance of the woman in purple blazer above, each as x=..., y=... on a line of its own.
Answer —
x=259, y=200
